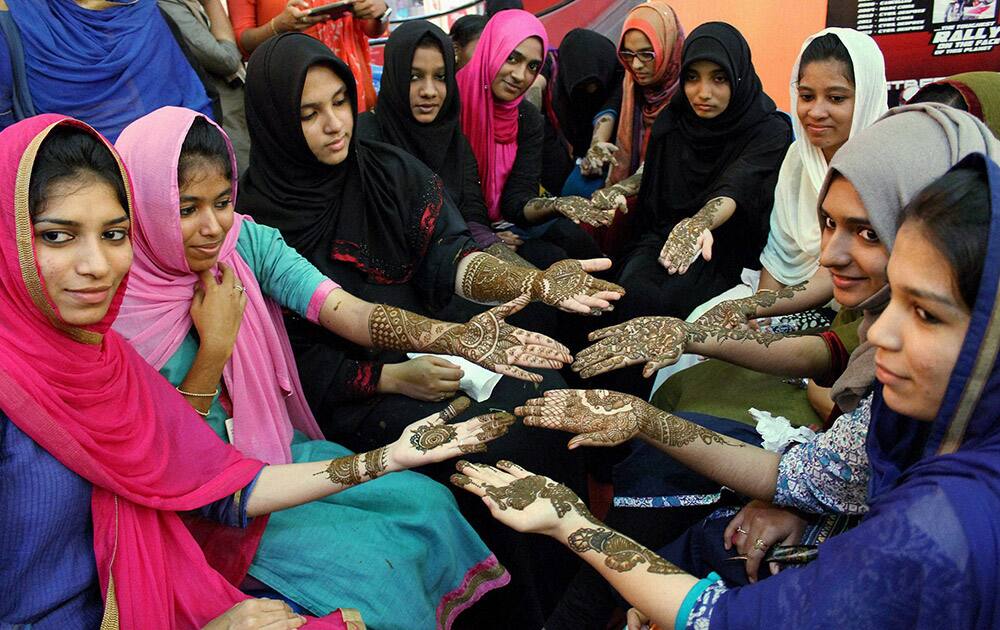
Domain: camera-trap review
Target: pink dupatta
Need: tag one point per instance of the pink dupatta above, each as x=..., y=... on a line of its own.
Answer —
x=489, y=124
x=261, y=376
x=86, y=397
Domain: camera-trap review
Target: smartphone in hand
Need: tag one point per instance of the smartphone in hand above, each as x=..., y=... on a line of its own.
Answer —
x=334, y=9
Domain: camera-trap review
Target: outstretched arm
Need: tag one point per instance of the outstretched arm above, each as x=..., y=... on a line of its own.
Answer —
x=533, y=503
x=424, y=442
x=604, y=418
x=660, y=341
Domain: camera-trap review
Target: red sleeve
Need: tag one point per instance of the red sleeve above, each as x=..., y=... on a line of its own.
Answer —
x=838, y=358
x=243, y=15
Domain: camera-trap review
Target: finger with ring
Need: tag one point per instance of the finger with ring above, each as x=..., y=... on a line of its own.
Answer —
x=742, y=531
x=759, y=544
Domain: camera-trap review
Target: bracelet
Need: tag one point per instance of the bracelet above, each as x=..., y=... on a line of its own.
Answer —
x=194, y=395
x=271, y=24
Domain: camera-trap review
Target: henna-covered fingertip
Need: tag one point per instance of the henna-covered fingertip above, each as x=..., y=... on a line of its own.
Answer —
x=461, y=480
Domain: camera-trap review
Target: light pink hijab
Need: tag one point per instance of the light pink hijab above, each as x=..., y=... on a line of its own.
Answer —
x=261, y=376
x=491, y=125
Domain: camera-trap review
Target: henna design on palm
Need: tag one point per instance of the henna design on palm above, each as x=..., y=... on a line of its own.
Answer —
x=621, y=553
x=655, y=341
x=431, y=436
x=598, y=416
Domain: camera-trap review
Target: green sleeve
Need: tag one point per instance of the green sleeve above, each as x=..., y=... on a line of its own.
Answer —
x=283, y=275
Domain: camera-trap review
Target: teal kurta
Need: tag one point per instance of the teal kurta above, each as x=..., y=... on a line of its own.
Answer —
x=395, y=548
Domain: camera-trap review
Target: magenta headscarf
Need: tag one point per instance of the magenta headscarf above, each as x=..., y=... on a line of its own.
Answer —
x=261, y=376
x=86, y=397
x=489, y=124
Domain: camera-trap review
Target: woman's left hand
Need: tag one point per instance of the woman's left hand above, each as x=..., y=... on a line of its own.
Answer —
x=581, y=210
x=599, y=417
x=521, y=500
x=568, y=285
x=433, y=440
x=689, y=238
x=368, y=9
x=488, y=340
x=599, y=154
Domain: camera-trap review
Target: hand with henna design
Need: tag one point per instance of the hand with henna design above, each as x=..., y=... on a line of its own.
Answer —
x=598, y=155
x=689, y=238
x=566, y=284
x=486, y=339
x=580, y=210
x=604, y=418
x=433, y=439
x=600, y=417
x=655, y=341
x=521, y=500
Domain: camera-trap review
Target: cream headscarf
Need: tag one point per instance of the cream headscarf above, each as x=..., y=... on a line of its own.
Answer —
x=791, y=255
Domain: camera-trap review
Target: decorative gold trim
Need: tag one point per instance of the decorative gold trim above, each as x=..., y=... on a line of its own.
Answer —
x=3, y=5
x=352, y=619
x=24, y=231
x=109, y=621
x=973, y=390
x=486, y=575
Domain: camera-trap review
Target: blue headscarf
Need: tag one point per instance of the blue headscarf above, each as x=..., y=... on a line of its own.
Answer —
x=927, y=554
x=105, y=67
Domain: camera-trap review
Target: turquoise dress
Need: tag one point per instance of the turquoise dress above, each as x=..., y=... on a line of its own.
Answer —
x=395, y=548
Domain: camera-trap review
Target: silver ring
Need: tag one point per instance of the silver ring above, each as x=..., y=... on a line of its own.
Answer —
x=239, y=287
x=742, y=531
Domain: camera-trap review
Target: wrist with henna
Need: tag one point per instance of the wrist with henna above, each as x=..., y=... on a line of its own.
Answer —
x=670, y=430
x=352, y=470
x=392, y=328
x=736, y=312
x=620, y=553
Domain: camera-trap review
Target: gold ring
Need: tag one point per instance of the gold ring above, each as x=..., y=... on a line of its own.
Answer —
x=759, y=544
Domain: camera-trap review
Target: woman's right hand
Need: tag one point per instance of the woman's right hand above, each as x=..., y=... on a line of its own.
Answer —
x=295, y=17
x=217, y=310
x=257, y=614
x=511, y=240
x=758, y=527
x=426, y=378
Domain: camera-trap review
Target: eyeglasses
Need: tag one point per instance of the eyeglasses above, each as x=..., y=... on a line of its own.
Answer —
x=645, y=56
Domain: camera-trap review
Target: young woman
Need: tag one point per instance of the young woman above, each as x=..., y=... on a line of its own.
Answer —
x=346, y=33
x=925, y=555
x=507, y=133
x=839, y=88
x=419, y=112
x=582, y=98
x=861, y=201
x=141, y=65
x=465, y=34
x=650, y=52
x=375, y=219
x=99, y=452
x=838, y=85
x=227, y=352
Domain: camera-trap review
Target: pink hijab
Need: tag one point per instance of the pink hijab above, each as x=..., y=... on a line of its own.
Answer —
x=85, y=396
x=490, y=124
x=261, y=376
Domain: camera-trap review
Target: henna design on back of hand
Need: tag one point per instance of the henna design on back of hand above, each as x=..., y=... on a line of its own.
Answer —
x=430, y=436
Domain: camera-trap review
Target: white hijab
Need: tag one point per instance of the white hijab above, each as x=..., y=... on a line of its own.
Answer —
x=792, y=251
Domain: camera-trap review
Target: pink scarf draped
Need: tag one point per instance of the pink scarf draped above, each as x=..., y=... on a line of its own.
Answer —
x=261, y=376
x=489, y=124
x=86, y=397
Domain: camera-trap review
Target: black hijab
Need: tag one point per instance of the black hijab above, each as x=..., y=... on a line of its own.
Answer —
x=437, y=144
x=584, y=56
x=376, y=210
x=737, y=154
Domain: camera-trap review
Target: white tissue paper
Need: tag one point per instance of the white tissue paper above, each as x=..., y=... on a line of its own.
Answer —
x=477, y=382
x=778, y=432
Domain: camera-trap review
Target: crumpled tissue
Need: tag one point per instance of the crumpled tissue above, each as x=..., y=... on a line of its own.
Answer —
x=778, y=432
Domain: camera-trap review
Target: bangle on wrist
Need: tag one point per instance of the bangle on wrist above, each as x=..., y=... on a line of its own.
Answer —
x=194, y=395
